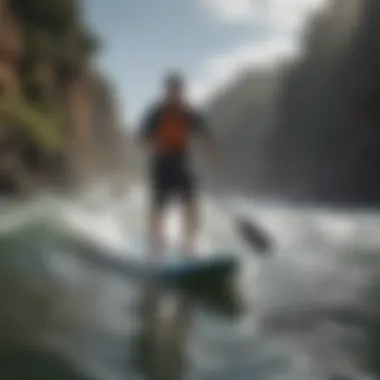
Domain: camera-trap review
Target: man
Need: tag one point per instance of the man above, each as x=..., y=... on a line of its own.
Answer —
x=166, y=133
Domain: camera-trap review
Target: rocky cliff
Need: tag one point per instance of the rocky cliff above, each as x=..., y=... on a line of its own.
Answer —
x=328, y=137
x=243, y=117
x=321, y=140
x=49, y=96
x=314, y=104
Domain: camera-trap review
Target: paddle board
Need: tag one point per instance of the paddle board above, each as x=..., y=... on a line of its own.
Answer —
x=213, y=268
x=216, y=267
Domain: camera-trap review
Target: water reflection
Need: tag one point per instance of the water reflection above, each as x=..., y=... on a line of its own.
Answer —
x=160, y=347
x=29, y=363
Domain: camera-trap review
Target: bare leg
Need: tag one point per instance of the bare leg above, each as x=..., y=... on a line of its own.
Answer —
x=156, y=233
x=190, y=223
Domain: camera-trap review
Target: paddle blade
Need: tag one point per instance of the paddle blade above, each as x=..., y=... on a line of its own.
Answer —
x=253, y=236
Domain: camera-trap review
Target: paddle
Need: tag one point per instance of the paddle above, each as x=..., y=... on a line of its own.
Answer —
x=253, y=235
x=248, y=230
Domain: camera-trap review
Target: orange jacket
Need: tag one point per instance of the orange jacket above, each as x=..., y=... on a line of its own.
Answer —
x=170, y=129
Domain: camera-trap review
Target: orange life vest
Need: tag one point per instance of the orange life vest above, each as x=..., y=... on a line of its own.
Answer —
x=173, y=130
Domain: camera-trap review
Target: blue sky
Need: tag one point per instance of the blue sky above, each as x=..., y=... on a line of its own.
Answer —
x=210, y=40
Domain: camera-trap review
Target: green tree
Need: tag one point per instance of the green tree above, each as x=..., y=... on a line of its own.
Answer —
x=55, y=40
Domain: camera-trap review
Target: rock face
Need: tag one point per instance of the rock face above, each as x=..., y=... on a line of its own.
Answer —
x=361, y=77
x=10, y=49
x=327, y=134
x=243, y=118
x=109, y=138
x=314, y=103
x=81, y=110
x=49, y=97
x=321, y=141
x=10, y=56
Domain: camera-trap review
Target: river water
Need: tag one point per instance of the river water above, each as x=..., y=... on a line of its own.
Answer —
x=309, y=311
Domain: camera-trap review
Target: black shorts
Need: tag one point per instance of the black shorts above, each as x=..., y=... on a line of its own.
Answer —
x=171, y=179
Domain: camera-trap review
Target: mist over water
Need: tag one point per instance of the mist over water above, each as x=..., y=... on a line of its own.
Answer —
x=309, y=311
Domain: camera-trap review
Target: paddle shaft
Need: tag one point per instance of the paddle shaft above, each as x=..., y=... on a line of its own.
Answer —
x=247, y=229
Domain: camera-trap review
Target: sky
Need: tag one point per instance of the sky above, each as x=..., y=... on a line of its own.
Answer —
x=211, y=41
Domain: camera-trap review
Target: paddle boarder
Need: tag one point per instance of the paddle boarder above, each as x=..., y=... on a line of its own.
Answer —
x=166, y=131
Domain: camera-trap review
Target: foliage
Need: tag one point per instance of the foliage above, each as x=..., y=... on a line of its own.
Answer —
x=45, y=130
x=56, y=39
